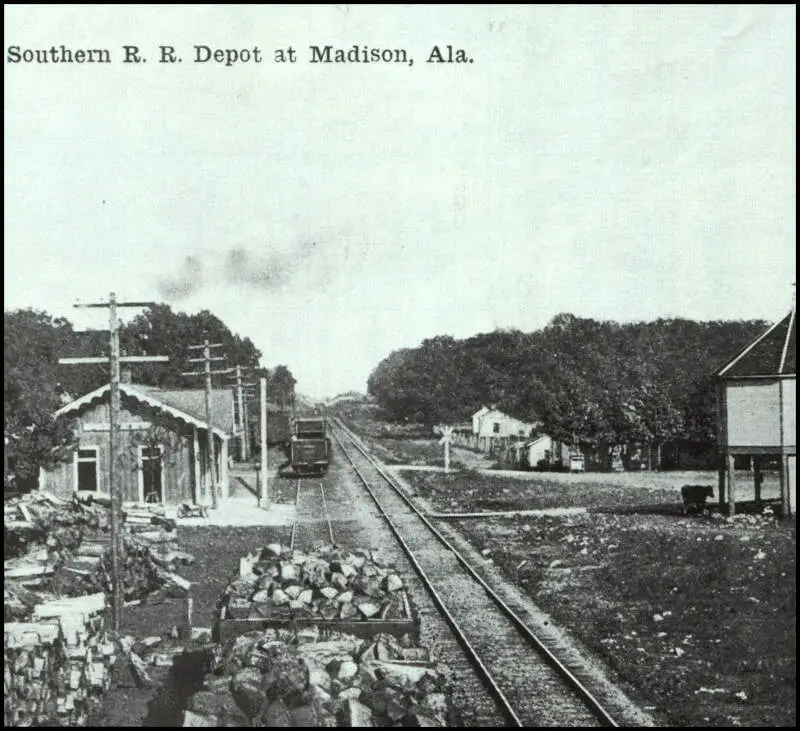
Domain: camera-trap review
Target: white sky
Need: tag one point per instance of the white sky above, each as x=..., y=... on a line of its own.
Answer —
x=615, y=162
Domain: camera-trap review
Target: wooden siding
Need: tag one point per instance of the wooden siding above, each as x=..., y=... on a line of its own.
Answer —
x=753, y=413
x=178, y=460
x=789, y=406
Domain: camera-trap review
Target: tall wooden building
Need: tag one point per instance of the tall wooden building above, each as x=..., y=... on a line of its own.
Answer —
x=756, y=405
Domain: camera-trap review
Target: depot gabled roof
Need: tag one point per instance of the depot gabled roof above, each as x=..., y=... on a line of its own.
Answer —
x=772, y=354
x=150, y=399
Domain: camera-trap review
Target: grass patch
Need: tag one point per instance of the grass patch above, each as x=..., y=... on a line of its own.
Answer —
x=473, y=491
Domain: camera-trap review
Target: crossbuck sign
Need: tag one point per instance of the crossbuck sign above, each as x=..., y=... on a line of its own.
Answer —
x=447, y=437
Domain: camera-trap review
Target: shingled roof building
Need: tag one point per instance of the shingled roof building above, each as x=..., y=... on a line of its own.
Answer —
x=164, y=445
x=756, y=403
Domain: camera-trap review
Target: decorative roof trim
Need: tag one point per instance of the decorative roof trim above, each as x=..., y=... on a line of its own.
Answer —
x=752, y=345
x=143, y=398
x=786, y=342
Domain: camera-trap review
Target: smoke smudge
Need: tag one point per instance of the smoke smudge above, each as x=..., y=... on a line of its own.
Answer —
x=186, y=283
x=239, y=266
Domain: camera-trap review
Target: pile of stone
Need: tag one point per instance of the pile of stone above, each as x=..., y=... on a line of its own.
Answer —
x=57, y=666
x=298, y=678
x=327, y=584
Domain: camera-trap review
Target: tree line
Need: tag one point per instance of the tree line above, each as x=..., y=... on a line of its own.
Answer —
x=585, y=381
x=36, y=385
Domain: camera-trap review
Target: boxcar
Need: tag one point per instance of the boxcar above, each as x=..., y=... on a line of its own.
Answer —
x=309, y=446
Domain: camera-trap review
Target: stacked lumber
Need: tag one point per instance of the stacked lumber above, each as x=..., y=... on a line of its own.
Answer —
x=327, y=584
x=138, y=518
x=19, y=601
x=297, y=679
x=57, y=666
x=40, y=519
x=145, y=568
x=68, y=545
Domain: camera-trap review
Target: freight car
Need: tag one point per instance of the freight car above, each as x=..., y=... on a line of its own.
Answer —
x=309, y=446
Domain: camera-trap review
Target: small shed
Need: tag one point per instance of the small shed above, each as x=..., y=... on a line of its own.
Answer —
x=756, y=402
x=544, y=451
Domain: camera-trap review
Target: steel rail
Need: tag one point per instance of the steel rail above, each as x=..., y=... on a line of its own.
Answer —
x=591, y=702
x=461, y=638
x=296, y=510
x=325, y=508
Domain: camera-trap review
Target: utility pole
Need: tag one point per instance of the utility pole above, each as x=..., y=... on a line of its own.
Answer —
x=240, y=402
x=114, y=467
x=263, y=498
x=207, y=373
x=242, y=426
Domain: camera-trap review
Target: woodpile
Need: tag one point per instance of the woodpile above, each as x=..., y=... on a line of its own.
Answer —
x=57, y=666
x=327, y=584
x=67, y=544
x=298, y=679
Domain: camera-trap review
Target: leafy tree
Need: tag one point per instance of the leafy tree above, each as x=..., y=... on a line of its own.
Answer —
x=160, y=331
x=36, y=385
x=281, y=384
x=32, y=343
x=589, y=381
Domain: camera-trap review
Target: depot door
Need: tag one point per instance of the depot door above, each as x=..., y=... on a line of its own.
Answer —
x=151, y=488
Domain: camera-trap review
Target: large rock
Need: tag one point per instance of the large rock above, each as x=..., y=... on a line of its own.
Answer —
x=235, y=654
x=347, y=671
x=218, y=703
x=260, y=597
x=392, y=582
x=339, y=581
x=306, y=596
x=368, y=609
x=357, y=715
x=329, y=592
x=345, y=597
x=289, y=572
x=247, y=689
x=275, y=715
x=288, y=677
x=304, y=717
x=280, y=597
x=293, y=591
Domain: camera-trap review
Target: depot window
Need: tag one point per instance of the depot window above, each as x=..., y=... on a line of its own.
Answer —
x=86, y=472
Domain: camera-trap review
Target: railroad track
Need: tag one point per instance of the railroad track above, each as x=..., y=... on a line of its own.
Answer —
x=312, y=525
x=528, y=682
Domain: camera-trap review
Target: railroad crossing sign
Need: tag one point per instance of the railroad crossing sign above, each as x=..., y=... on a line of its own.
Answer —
x=447, y=437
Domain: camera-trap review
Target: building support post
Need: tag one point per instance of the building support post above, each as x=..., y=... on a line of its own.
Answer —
x=225, y=477
x=731, y=486
x=757, y=479
x=786, y=487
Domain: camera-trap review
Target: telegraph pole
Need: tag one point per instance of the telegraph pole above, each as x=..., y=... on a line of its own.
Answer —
x=263, y=497
x=114, y=471
x=240, y=401
x=241, y=387
x=207, y=372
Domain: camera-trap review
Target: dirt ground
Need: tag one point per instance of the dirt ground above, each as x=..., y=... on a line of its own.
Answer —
x=695, y=614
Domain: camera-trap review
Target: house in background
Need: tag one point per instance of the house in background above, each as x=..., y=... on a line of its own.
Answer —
x=546, y=452
x=493, y=429
x=164, y=450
